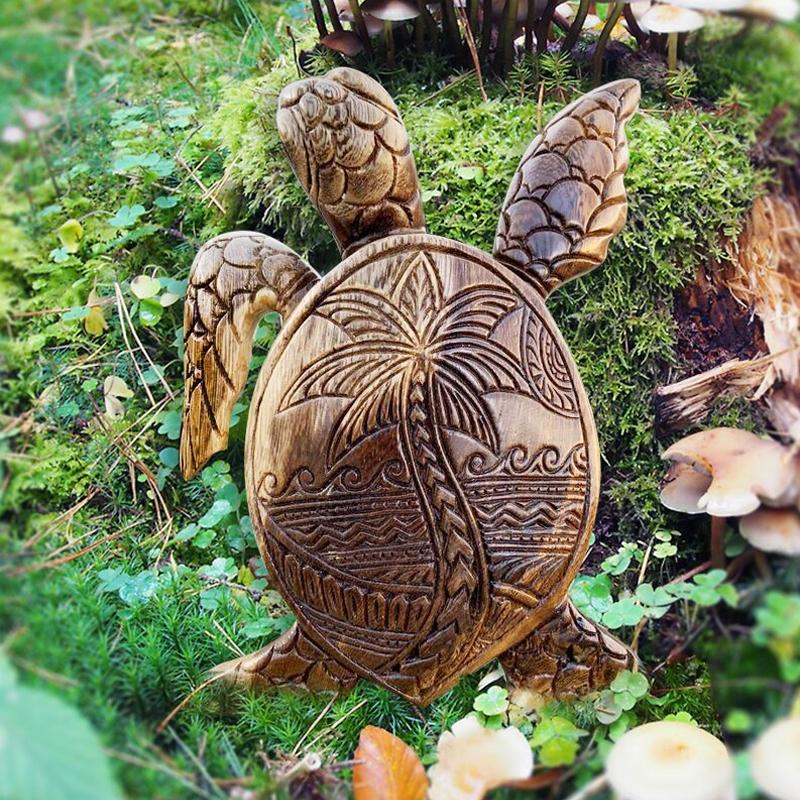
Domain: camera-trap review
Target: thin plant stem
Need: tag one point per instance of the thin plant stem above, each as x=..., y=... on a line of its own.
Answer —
x=473, y=51
x=571, y=39
x=602, y=41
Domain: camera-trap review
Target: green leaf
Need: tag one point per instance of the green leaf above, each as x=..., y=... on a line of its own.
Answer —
x=218, y=511
x=494, y=701
x=48, y=751
x=69, y=234
x=633, y=682
x=126, y=216
x=169, y=457
x=145, y=286
x=150, y=312
x=166, y=201
x=170, y=424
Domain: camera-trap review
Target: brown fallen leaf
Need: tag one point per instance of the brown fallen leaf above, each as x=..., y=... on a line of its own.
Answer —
x=94, y=322
x=387, y=768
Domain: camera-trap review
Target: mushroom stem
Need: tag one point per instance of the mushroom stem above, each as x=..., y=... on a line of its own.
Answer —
x=486, y=29
x=634, y=27
x=361, y=25
x=763, y=567
x=602, y=41
x=530, y=22
x=389, y=39
x=333, y=15
x=590, y=789
x=672, y=52
x=718, y=542
x=505, y=45
x=319, y=18
x=571, y=39
x=450, y=25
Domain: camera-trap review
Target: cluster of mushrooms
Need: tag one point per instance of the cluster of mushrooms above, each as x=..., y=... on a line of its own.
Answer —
x=666, y=760
x=678, y=761
x=732, y=473
x=503, y=26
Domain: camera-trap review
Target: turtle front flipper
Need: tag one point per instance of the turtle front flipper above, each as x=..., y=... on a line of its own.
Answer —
x=291, y=660
x=350, y=151
x=235, y=279
x=567, y=199
x=568, y=656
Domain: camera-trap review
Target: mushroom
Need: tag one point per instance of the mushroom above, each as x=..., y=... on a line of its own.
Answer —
x=474, y=760
x=773, y=530
x=778, y=10
x=775, y=760
x=391, y=10
x=672, y=20
x=745, y=470
x=727, y=472
x=682, y=488
x=670, y=760
x=345, y=42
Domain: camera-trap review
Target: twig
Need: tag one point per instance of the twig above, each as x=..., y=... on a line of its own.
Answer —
x=473, y=51
x=313, y=725
x=122, y=315
x=178, y=708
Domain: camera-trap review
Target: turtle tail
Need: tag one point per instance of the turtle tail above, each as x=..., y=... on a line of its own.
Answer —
x=235, y=279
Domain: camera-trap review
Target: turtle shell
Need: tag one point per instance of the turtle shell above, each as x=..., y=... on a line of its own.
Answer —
x=422, y=462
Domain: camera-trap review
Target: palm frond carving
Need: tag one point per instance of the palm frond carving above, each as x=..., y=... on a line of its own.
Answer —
x=399, y=337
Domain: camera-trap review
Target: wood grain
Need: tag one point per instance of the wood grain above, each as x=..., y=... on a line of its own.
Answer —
x=567, y=199
x=235, y=279
x=350, y=151
x=421, y=459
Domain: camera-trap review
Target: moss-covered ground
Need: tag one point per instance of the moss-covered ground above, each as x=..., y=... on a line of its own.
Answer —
x=121, y=585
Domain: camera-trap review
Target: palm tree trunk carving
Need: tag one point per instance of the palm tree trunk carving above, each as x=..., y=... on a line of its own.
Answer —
x=424, y=363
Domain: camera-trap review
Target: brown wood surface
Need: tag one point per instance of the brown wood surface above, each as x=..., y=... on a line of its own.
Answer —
x=422, y=464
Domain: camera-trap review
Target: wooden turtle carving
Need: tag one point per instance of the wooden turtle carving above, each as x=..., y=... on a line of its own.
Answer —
x=422, y=464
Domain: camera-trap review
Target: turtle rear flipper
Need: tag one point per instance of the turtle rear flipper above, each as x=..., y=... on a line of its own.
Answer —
x=235, y=279
x=568, y=656
x=291, y=660
x=567, y=199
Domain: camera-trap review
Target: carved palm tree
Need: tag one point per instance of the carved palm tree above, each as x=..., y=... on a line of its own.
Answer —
x=425, y=363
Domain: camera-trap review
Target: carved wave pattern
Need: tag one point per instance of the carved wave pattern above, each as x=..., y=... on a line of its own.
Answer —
x=529, y=507
x=355, y=554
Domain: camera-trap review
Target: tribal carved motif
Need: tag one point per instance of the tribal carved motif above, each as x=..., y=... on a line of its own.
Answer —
x=421, y=460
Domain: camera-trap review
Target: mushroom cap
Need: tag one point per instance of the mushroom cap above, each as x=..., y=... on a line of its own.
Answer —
x=683, y=487
x=663, y=18
x=391, y=10
x=781, y=10
x=745, y=470
x=473, y=760
x=670, y=760
x=345, y=42
x=773, y=530
x=775, y=760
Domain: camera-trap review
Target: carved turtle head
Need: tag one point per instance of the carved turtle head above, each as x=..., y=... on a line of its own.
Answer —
x=422, y=465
